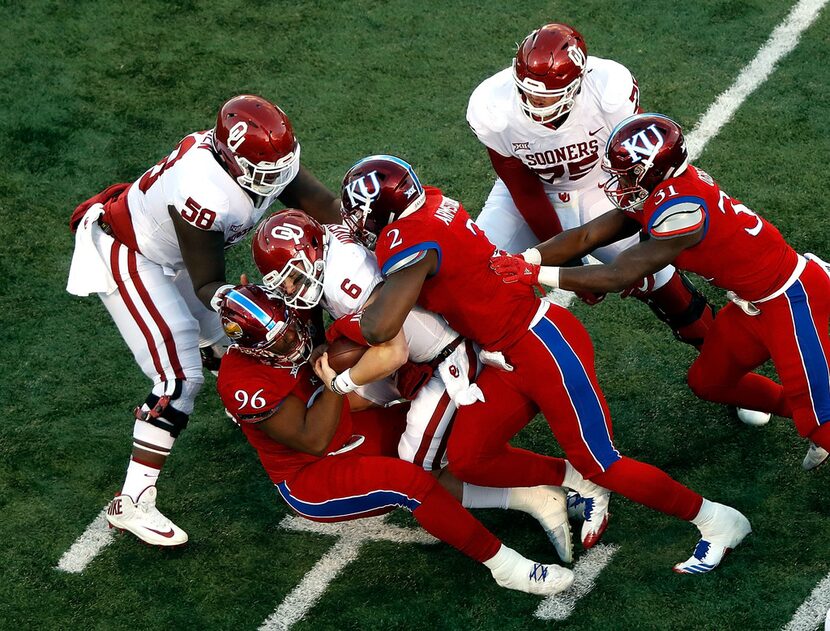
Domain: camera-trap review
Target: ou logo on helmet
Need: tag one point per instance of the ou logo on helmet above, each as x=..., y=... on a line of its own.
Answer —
x=236, y=135
x=364, y=190
x=288, y=232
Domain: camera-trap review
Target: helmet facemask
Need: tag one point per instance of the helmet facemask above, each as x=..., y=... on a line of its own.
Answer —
x=623, y=187
x=548, y=113
x=306, y=278
x=266, y=178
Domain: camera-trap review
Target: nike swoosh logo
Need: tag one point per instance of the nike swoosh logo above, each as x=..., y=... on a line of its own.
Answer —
x=594, y=133
x=166, y=535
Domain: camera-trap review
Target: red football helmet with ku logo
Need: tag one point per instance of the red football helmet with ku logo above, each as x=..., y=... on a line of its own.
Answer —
x=255, y=140
x=643, y=150
x=260, y=324
x=376, y=191
x=289, y=249
x=548, y=71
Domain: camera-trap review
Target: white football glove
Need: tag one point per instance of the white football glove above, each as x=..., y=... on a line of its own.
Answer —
x=495, y=359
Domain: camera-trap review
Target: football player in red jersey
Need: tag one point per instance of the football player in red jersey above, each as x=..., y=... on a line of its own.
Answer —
x=330, y=465
x=780, y=300
x=544, y=121
x=433, y=254
x=154, y=251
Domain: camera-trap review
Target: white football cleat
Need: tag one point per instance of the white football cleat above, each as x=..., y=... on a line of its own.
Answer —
x=514, y=571
x=754, y=417
x=548, y=505
x=719, y=535
x=576, y=506
x=815, y=456
x=595, y=511
x=144, y=520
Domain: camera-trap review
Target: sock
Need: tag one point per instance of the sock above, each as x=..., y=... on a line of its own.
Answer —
x=484, y=497
x=707, y=508
x=141, y=475
x=504, y=555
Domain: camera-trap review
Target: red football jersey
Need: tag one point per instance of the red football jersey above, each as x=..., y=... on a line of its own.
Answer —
x=740, y=251
x=252, y=391
x=472, y=297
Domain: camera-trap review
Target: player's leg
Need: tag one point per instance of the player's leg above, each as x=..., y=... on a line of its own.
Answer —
x=722, y=373
x=503, y=223
x=155, y=323
x=795, y=328
x=557, y=369
x=424, y=443
x=213, y=343
x=350, y=486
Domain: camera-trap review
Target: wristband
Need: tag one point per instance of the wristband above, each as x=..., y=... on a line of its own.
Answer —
x=342, y=383
x=549, y=275
x=532, y=255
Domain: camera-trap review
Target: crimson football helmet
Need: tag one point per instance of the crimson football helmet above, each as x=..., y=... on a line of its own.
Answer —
x=289, y=249
x=549, y=64
x=376, y=191
x=643, y=150
x=260, y=324
x=256, y=143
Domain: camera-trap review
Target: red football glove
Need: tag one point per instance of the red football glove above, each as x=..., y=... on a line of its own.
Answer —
x=412, y=377
x=641, y=288
x=590, y=298
x=514, y=269
x=347, y=326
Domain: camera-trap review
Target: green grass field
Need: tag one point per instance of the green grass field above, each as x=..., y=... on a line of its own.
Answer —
x=94, y=92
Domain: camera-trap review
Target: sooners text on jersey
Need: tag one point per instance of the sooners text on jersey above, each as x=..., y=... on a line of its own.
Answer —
x=739, y=251
x=567, y=158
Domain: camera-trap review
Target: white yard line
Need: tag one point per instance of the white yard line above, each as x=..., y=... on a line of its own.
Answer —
x=97, y=536
x=586, y=571
x=351, y=537
x=782, y=41
x=814, y=610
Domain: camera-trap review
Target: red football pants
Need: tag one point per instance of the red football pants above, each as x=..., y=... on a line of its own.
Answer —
x=554, y=370
x=792, y=329
x=360, y=483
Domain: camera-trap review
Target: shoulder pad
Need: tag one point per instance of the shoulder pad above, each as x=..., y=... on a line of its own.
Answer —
x=488, y=108
x=679, y=217
x=612, y=82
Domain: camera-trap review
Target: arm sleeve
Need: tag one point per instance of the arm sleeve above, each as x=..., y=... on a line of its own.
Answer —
x=410, y=256
x=528, y=194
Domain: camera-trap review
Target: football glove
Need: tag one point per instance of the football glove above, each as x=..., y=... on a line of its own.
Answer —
x=514, y=269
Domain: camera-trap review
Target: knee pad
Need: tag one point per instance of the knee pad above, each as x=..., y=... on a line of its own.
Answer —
x=683, y=308
x=169, y=405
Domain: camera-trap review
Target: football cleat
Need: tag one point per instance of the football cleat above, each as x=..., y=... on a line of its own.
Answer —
x=549, y=506
x=720, y=534
x=595, y=511
x=516, y=572
x=144, y=520
x=815, y=456
x=576, y=505
x=753, y=417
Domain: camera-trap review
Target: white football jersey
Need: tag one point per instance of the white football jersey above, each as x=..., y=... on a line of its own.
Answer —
x=567, y=158
x=351, y=276
x=192, y=180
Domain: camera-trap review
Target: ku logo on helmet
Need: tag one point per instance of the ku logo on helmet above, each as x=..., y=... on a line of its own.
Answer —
x=236, y=135
x=363, y=191
x=640, y=145
x=288, y=232
x=232, y=329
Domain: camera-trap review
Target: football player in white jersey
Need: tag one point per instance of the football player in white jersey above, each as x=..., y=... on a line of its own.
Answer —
x=545, y=122
x=153, y=251
x=309, y=264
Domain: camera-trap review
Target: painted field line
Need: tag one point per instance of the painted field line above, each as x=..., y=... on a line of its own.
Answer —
x=97, y=536
x=814, y=610
x=782, y=41
x=351, y=537
x=586, y=571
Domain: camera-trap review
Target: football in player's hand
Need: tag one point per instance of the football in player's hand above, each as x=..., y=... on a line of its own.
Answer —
x=343, y=353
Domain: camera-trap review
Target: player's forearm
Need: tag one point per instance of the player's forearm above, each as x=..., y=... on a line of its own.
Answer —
x=321, y=422
x=380, y=361
x=564, y=247
x=591, y=278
